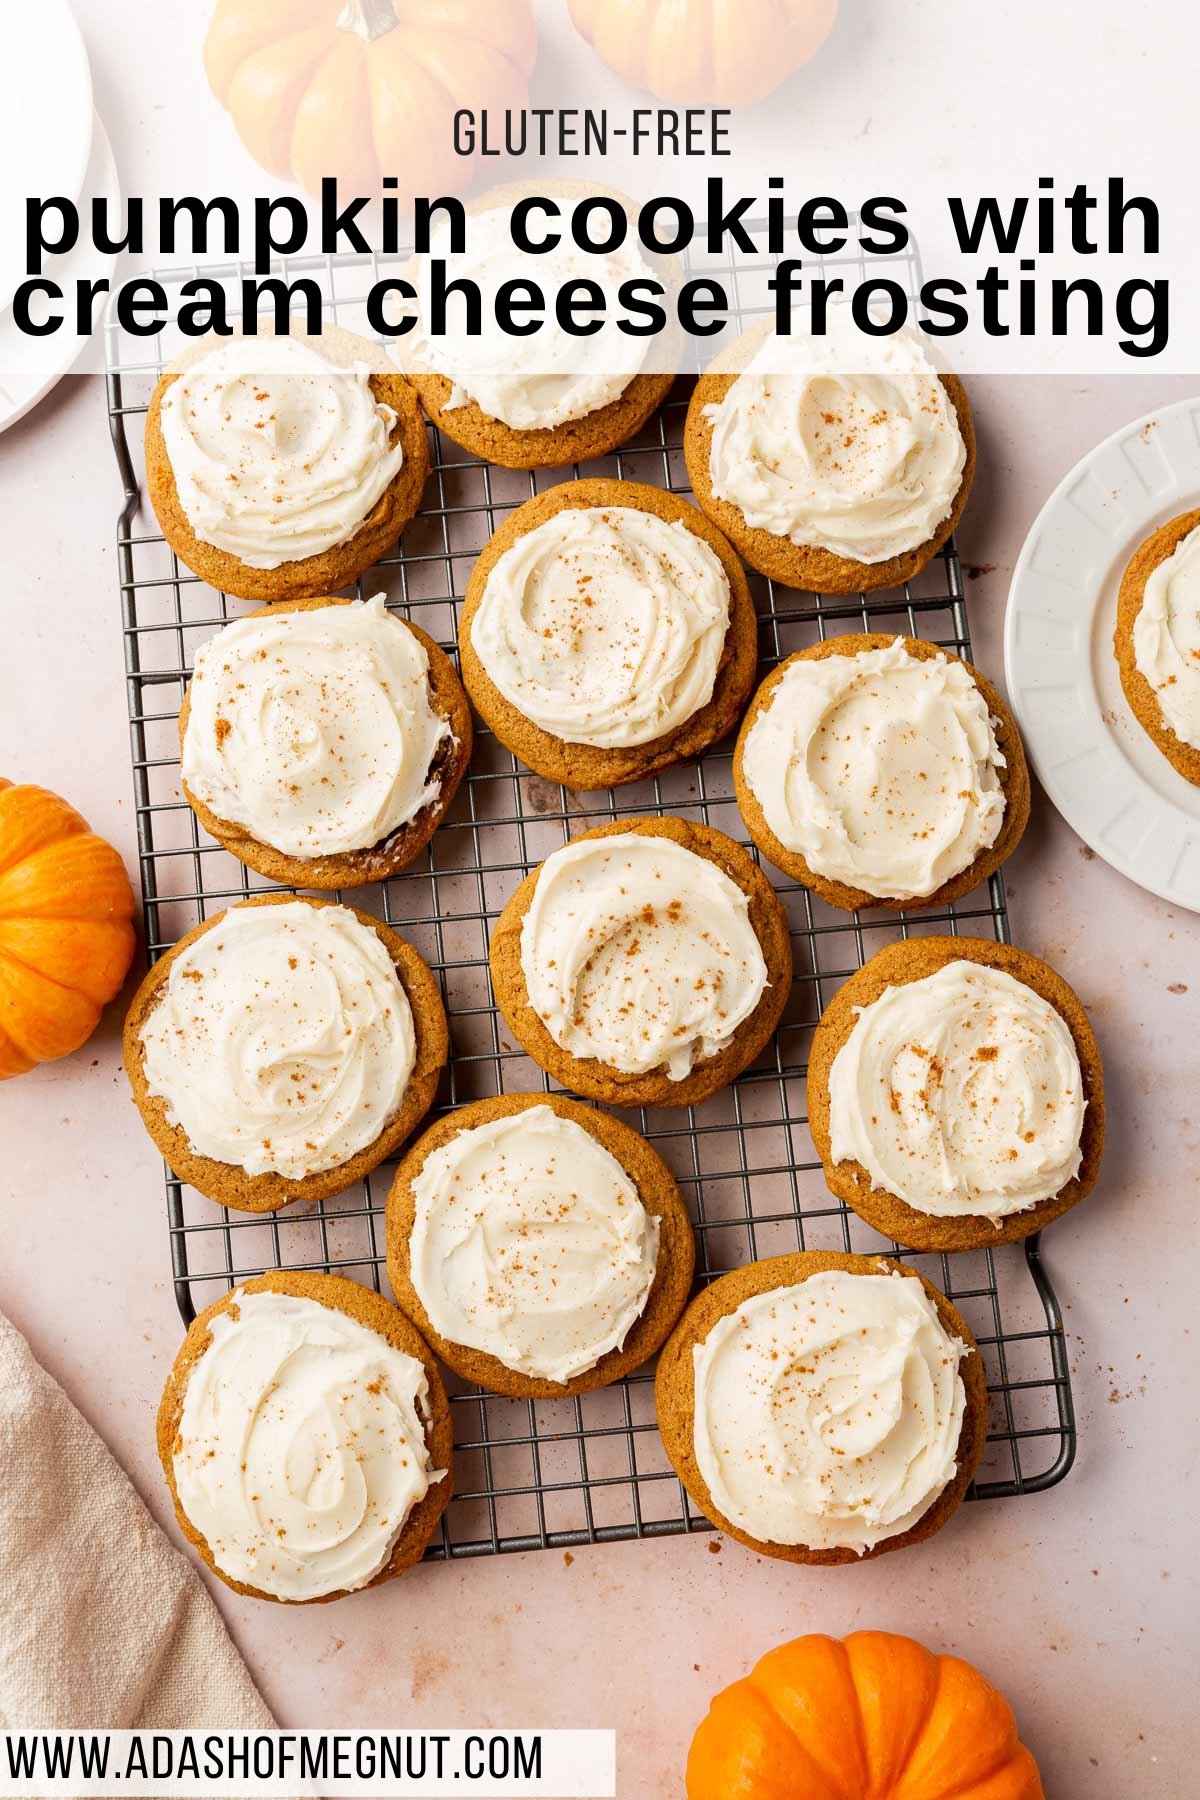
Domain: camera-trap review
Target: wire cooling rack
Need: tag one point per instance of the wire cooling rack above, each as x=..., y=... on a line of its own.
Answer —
x=566, y=1472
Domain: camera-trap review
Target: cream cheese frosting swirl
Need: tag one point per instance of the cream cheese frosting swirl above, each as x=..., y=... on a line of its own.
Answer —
x=282, y=1040
x=549, y=377
x=531, y=1244
x=960, y=1093
x=848, y=443
x=640, y=953
x=604, y=625
x=828, y=1413
x=880, y=769
x=313, y=729
x=277, y=453
x=302, y=1449
x=1166, y=638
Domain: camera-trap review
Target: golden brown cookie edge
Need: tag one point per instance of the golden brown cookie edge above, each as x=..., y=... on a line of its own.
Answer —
x=675, y=1396
x=1014, y=782
x=913, y=960
x=229, y=1185
x=587, y=767
x=806, y=566
x=358, y=868
x=311, y=576
x=378, y=1315
x=1143, y=701
x=660, y=1195
x=597, y=434
x=593, y=1079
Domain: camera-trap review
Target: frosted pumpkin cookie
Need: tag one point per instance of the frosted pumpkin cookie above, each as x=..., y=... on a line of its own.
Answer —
x=823, y=1408
x=322, y=741
x=880, y=770
x=955, y=1094
x=306, y=1439
x=1157, y=641
x=646, y=963
x=608, y=631
x=283, y=466
x=541, y=1247
x=824, y=478
x=541, y=400
x=281, y=1050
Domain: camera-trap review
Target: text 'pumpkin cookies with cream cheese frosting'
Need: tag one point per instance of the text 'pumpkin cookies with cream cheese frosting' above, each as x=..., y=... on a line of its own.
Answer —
x=322, y=741
x=743, y=1398
x=283, y=466
x=282, y=1049
x=956, y=1095
x=306, y=1438
x=646, y=963
x=839, y=464
x=881, y=770
x=607, y=632
x=541, y=1246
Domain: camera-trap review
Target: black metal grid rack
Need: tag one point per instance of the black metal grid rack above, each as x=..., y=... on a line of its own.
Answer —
x=566, y=1472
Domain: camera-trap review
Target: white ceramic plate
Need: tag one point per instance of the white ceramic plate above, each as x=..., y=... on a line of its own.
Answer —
x=1103, y=773
x=29, y=366
x=45, y=119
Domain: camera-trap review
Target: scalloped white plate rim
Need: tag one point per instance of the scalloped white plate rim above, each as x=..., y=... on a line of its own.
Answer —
x=45, y=121
x=1106, y=777
x=31, y=367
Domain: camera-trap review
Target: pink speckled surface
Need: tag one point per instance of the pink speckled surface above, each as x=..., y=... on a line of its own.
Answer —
x=1081, y=1603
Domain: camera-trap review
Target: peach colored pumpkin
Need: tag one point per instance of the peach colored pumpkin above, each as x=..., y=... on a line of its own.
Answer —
x=705, y=52
x=872, y=1717
x=66, y=932
x=360, y=89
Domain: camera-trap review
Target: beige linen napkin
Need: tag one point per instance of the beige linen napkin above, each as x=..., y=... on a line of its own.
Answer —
x=102, y=1622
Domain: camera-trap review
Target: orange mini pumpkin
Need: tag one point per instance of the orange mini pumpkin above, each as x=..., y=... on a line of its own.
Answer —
x=66, y=932
x=872, y=1717
x=360, y=89
x=705, y=52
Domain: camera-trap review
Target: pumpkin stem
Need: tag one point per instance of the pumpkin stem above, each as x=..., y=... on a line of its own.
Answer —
x=370, y=19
